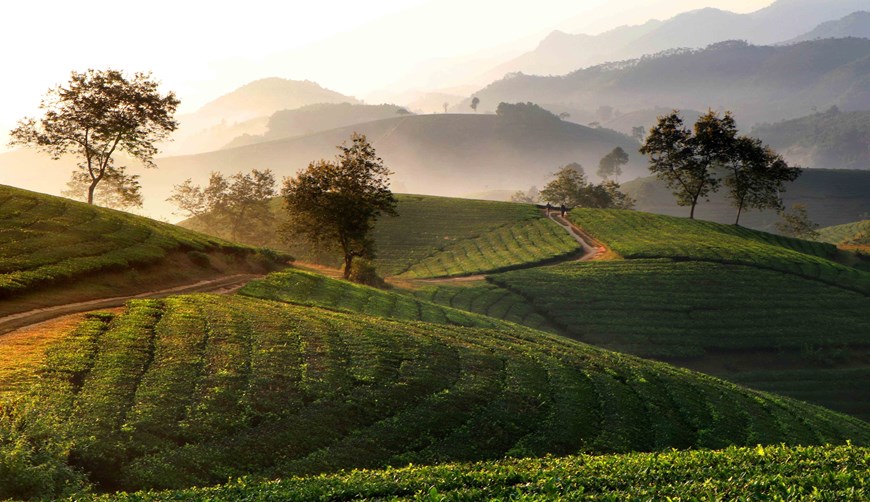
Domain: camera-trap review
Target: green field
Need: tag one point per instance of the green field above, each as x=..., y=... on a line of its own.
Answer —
x=768, y=473
x=524, y=244
x=197, y=389
x=47, y=240
x=633, y=235
x=314, y=290
x=848, y=234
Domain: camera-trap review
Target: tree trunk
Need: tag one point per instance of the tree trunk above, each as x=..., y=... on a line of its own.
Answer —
x=739, y=210
x=692, y=211
x=348, y=260
x=91, y=189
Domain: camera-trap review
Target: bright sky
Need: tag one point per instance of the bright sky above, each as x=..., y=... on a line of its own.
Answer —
x=204, y=49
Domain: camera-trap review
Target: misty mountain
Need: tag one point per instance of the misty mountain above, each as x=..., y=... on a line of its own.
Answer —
x=830, y=139
x=444, y=154
x=856, y=24
x=315, y=118
x=246, y=110
x=757, y=83
x=560, y=52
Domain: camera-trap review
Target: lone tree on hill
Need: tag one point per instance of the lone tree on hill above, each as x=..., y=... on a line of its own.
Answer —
x=796, y=223
x=96, y=115
x=611, y=164
x=474, y=102
x=336, y=203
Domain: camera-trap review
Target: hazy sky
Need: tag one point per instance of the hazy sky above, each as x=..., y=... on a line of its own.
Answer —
x=204, y=49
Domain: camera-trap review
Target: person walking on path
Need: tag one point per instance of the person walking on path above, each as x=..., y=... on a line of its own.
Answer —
x=548, y=209
x=563, y=210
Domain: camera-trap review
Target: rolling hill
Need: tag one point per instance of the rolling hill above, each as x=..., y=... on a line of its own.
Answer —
x=757, y=83
x=196, y=389
x=445, y=154
x=55, y=250
x=246, y=111
x=560, y=53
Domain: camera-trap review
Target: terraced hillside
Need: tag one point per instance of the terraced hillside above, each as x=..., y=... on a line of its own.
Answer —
x=767, y=311
x=53, y=244
x=197, y=389
x=764, y=473
x=852, y=235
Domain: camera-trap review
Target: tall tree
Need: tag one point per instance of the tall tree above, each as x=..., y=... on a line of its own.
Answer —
x=235, y=207
x=611, y=164
x=334, y=204
x=570, y=188
x=756, y=176
x=97, y=114
x=796, y=223
x=685, y=161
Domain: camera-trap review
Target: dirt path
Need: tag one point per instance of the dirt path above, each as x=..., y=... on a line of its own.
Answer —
x=224, y=285
x=592, y=249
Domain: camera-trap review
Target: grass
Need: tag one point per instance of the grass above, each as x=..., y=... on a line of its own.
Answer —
x=634, y=234
x=46, y=241
x=855, y=233
x=528, y=243
x=760, y=473
x=197, y=389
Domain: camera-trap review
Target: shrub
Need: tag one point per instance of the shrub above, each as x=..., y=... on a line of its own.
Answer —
x=363, y=272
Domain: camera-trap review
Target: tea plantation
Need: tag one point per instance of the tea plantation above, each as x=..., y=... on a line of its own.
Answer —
x=46, y=240
x=198, y=389
x=761, y=473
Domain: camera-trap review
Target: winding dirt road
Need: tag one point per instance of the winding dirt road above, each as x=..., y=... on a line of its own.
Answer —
x=223, y=285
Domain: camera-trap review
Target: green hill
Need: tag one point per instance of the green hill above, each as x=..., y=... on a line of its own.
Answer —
x=55, y=250
x=197, y=389
x=849, y=234
x=832, y=197
x=769, y=473
x=740, y=304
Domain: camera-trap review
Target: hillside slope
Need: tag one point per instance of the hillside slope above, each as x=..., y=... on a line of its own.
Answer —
x=196, y=389
x=55, y=250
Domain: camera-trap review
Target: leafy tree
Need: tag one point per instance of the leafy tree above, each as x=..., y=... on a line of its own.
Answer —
x=797, y=223
x=564, y=115
x=611, y=164
x=571, y=188
x=756, y=176
x=474, y=102
x=685, y=161
x=235, y=208
x=335, y=204
x=118, y=190
x=98, y=114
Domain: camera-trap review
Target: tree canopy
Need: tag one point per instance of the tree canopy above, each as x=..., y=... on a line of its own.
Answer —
x=234, y=207
x=334, y=204
x=570, y=188
x=694, y=163
x=97, y=114
x=611, y=164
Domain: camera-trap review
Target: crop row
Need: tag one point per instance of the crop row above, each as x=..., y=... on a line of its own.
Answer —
x=681, y=309
x=506, y=247
x=306, y=288
x=46, y=239
x=484, y=298
x=817, y=473
x=634, y=234
x=192, y=390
